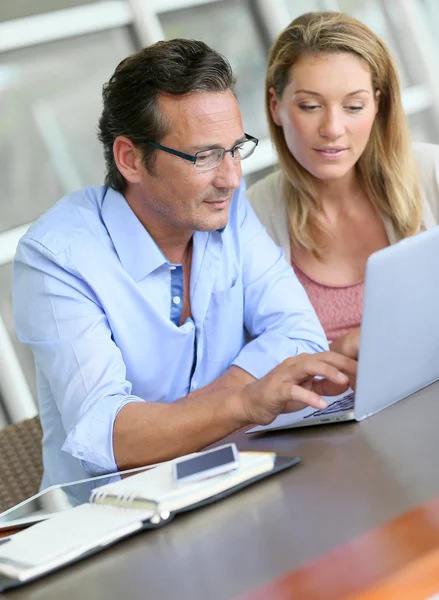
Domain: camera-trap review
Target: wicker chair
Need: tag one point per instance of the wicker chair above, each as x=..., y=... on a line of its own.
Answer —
x=21, y=465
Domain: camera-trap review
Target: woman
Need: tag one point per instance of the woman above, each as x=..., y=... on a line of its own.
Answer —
x=350, y=183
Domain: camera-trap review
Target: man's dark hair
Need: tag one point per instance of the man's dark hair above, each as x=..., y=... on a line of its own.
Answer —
x=130, y=97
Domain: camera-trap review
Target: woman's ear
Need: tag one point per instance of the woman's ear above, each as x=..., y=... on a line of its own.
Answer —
x=377, y=100
x=274, y=106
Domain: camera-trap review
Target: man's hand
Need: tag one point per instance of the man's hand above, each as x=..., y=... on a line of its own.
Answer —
x=348, y=344
x=292, y=385
x=215, y=411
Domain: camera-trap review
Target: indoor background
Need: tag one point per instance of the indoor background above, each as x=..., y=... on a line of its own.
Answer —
x=56, y=54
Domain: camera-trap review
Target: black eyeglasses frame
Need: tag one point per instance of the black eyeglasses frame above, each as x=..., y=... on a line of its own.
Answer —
x=193, y=158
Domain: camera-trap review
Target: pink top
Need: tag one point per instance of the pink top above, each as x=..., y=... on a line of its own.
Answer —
x=338, y=307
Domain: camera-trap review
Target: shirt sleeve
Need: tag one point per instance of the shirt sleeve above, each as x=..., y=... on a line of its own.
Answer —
x=58, y=316
x=278, y=313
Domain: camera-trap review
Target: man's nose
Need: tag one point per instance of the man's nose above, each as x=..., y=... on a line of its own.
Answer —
x=228, y=173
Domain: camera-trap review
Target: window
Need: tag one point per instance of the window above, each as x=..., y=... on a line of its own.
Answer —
x=49, y=108
x=231, y=28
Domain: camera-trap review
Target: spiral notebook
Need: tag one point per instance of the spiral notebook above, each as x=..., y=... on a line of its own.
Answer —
x=145, y=500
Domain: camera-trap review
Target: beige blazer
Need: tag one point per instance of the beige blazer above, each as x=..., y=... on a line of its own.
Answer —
x=266, y=197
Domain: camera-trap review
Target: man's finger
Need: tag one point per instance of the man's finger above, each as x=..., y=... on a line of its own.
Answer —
x=315, y=366
x=324, y=387
x=300, y=395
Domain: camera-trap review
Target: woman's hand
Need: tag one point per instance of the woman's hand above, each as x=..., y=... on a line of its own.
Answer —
x=348, y=344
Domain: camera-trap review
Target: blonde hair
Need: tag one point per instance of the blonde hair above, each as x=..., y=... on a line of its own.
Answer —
x=387, y=170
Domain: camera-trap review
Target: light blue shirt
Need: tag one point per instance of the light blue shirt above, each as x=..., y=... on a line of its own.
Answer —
x=99, y=305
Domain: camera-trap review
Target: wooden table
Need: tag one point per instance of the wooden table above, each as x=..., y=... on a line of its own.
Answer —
x=353, y=478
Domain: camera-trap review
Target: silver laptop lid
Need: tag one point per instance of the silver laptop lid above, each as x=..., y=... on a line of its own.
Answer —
x=399, y=347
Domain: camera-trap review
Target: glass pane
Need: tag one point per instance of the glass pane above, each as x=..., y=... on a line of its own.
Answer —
x=50, y=102
x=423, y=127
x=298, y=7
x=370, y=12
x=25, y=356
x=28, y=184
x=24, y=8
x=229, y=27
x=430, y=14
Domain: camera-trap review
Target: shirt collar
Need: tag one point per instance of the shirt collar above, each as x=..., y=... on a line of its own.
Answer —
x=137, y=251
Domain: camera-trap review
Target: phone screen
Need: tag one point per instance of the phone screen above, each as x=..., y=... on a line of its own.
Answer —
x=204, y=462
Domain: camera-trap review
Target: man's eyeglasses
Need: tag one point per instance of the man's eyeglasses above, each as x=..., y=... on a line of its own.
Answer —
x=204, y=160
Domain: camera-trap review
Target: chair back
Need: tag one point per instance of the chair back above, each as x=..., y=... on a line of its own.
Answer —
x=21, y=464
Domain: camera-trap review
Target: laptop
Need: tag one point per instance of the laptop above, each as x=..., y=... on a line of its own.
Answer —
x=399, y=343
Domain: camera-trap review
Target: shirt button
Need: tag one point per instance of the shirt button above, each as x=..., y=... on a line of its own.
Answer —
x=176, y=299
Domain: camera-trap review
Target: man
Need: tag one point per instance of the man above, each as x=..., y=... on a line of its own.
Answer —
x=134, y=297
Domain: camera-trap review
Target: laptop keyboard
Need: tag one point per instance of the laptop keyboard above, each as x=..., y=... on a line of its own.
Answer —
x=342, y=404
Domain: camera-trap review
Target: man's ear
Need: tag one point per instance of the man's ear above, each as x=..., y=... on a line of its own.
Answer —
x=128, y=159
x=274, y=106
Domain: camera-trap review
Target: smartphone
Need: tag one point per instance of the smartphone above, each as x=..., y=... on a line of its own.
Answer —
x=206, y=464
